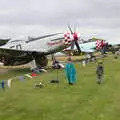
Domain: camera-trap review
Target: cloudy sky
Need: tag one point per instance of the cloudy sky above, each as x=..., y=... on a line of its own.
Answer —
x=91, y=18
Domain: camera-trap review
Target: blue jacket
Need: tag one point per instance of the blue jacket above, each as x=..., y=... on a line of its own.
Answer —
x=70, y=72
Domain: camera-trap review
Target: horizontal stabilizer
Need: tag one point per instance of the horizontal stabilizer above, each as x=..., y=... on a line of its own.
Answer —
x=3, y=41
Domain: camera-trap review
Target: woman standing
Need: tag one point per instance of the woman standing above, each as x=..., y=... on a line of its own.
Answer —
x=70, y=72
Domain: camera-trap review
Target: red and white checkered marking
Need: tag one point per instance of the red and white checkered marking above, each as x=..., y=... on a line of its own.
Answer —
x=68, y=38
x=100, y=44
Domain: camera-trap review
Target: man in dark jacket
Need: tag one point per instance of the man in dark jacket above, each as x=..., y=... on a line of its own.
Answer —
x=100, y=72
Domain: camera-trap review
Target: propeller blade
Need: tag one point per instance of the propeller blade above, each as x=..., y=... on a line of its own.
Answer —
x=70, y=29
x=78, y=47
x=72, y=45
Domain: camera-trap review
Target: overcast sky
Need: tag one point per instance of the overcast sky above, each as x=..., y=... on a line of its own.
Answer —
x=91, y=18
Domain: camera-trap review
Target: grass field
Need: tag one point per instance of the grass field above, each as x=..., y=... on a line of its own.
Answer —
x=84, y=101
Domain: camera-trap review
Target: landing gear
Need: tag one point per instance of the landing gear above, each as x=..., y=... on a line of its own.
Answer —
x=41, y=61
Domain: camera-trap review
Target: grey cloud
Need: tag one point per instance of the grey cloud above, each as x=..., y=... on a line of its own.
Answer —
x=51, y=11
x=30, y=16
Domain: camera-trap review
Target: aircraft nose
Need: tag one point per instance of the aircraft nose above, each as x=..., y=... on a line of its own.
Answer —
x=68, y=39
x=100, y=44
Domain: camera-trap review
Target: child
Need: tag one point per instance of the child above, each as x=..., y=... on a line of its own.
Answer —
x=99, y=72
x=3, y=84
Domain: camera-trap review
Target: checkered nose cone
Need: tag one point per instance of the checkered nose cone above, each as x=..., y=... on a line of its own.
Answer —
x=99, y=44
x=68, y=38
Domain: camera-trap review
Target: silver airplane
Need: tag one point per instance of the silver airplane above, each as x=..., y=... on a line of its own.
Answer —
x=18, y=51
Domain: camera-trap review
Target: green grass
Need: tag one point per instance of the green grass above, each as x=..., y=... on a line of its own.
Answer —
x=84, y=101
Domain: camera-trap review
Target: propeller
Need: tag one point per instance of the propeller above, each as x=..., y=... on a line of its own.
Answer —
x=75, y=40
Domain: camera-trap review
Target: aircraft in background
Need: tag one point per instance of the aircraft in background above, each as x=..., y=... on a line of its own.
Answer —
x=93, y=45
x=96, y=45
x=19, y=51
x=87, y=47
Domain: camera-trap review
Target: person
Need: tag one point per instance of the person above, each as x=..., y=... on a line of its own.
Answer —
x=83, y=63
x=70, y=72
x=117, y=53
x=57, y=65
x=99, y=72
x=3, y=84
x=33, y=66
x=9, y=83
x=88, y=58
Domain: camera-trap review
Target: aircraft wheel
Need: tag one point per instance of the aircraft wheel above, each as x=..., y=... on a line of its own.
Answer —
x=41, y=61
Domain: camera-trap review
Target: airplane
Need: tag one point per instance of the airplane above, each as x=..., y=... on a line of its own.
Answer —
x=96, y=45
x=85, y=47
x=21, y=51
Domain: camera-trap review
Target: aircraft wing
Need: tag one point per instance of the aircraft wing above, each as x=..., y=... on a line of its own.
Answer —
x=88, y=50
